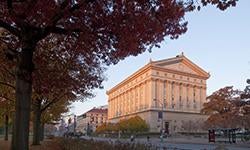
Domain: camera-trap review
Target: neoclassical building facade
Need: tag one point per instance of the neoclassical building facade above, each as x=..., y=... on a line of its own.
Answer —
x=168, y=94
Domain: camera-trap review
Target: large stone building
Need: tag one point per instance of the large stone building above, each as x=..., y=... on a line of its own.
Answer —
x=93, y=118
x=174, y=86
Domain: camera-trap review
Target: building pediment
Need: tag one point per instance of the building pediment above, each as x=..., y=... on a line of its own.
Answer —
x=182, y=64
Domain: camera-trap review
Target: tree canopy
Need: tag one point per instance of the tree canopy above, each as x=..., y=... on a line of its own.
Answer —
x=93, y=32
x=226, y=109
x=132, y=125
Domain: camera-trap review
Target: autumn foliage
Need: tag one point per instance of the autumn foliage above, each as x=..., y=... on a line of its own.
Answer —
x=132, y=125
x=83, y=35
x=227, y=110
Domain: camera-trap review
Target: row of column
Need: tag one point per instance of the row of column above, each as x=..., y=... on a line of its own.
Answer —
x=132, y=100
x=177, y=95
x=155, y=93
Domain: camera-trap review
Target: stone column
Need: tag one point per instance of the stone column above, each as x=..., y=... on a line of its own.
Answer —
x=153, y=91
x=147, y=94
x=139, y=97
x=142, y=98
x=129, y=100
x=164, y=93
x=168, y=94
x=189, y=98
x=160, y=93
x=176, y=95
x=203, y=96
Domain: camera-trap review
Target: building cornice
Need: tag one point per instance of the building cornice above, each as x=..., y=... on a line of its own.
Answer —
x=158, y=68
x=131, y=77
x=155, y=110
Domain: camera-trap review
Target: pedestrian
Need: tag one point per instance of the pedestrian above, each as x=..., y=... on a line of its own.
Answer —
x=132, y=138
x=148, y=138
x=161, y=137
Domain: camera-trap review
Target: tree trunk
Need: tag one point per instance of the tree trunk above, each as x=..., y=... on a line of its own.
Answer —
x=6, y=127
x=23, y=96
x=13, y=129
x=37, y=123
x=42, y=132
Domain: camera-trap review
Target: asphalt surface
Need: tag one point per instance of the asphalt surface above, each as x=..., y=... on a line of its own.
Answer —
x=180, y=143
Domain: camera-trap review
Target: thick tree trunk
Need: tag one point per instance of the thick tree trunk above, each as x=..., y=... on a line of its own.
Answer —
x=42, y=132
x=6, y=127
x=23, y=97
x=37, y=123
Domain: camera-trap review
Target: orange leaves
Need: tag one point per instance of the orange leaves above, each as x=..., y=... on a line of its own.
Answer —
x=131, y=125
x=225, y=108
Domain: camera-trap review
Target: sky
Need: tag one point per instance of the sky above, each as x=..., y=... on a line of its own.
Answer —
x=217, y=41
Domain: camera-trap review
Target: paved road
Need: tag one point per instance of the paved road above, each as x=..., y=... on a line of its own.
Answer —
x=179, y=143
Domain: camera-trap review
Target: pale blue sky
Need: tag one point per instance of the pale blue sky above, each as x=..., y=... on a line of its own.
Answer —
x=217, y=41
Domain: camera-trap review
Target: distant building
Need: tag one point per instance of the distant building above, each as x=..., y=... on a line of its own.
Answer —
x=67, y=123
x=93, y=118
x=174, y=86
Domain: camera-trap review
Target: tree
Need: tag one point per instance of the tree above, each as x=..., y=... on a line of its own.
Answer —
x=97, y=31
x=53, y=114
x=48, y=87
x=132, y=125
x=224, y=108
x=7, y=92
x=56, y=78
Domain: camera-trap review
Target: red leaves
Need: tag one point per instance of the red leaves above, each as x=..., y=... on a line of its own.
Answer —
x=225, y=108
x=221, y=4
x=74, y=40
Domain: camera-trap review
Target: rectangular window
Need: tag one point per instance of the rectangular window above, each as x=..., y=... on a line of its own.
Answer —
x=160, y=115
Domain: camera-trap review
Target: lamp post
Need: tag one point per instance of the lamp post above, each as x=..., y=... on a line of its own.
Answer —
x=162, y=107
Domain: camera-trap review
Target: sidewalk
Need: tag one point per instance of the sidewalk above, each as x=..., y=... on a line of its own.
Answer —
x=196, y=141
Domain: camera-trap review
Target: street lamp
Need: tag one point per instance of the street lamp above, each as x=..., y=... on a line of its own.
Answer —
x=162, y=107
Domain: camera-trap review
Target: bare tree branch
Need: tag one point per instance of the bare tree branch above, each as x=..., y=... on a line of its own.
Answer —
x=53, y=101
x=9, y=72
x=58, y=16
x=9, y=99
x=58, y=30
x=7, y=84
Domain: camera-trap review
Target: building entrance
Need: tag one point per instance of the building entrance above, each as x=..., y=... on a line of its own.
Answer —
x=167, y=127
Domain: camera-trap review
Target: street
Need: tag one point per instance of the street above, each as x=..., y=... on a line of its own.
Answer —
x=177, y=143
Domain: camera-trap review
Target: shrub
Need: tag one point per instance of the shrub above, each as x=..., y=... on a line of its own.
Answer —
x=80, y=144
x=132, y=125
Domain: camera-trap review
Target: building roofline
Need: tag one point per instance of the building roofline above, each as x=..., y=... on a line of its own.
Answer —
x=154, y=64
x=141, y=70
